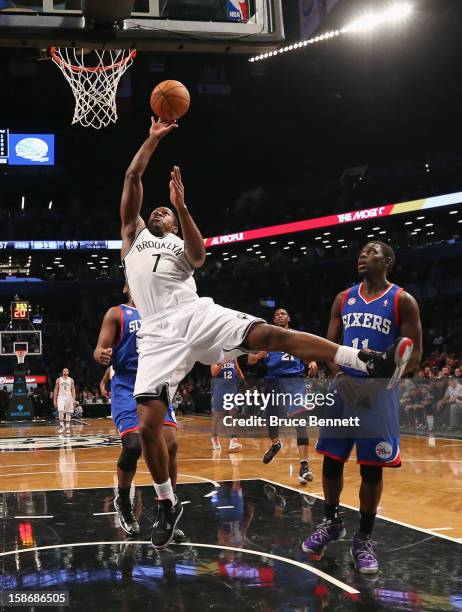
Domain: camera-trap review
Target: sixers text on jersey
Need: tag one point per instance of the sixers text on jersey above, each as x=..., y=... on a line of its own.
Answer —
x=125, y=354
x=370, y=323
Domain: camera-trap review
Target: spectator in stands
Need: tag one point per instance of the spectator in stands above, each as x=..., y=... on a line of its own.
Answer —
x=450, y=404
x=454, y=396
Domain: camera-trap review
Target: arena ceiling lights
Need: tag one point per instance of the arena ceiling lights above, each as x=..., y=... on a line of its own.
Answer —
x=369, y=22
x=329, y=221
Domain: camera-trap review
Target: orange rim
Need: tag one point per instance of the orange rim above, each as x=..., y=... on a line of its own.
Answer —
x=60, y=61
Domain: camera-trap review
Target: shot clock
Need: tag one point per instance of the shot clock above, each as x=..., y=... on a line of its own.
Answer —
x=19, y=311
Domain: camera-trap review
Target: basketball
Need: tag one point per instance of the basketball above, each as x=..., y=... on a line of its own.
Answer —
x=170, y=100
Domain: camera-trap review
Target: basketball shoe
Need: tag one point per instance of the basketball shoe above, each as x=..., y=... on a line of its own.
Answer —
x=362, y=553
x=325, y=533
x=390, y=364
x=127, y=519
x=272, y=452
x=165, y=521
x=216, y=443
x=234, y=445
x=305, y=475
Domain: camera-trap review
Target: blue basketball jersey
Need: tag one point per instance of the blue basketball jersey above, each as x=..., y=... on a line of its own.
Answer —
x=282, y=365
x=125, y=354
x=370, y=323
x=228, y=371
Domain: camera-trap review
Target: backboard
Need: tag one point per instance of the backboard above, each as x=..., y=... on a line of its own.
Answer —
x=11, y=340
x=236, y=26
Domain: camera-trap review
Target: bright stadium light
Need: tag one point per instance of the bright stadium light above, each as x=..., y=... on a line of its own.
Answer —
x=394, y=14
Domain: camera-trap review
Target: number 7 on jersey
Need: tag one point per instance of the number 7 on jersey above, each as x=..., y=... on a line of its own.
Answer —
x=156, y=261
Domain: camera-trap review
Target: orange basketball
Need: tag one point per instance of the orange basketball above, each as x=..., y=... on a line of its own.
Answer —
x=170, y=100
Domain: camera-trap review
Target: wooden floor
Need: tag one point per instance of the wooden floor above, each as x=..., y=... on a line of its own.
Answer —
x=426, y=492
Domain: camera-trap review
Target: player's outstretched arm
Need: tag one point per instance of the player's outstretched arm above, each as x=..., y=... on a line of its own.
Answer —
x=132, y=195
x=108, y=336
x=410, y=326
x=194, y=248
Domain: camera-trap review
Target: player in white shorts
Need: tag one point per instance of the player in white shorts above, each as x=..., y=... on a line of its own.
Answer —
x=64, y=400
x=179, y=328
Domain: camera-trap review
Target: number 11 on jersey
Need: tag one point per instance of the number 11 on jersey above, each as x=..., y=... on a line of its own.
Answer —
x=364, y=343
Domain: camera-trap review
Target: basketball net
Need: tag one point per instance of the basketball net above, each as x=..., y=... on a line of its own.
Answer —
x=20, y=355
x=94, y=87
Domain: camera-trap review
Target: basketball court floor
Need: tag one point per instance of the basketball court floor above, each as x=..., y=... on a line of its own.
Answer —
x=243, y=521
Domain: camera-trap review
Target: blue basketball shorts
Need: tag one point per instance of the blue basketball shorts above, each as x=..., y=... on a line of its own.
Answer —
x=223, y=392
x=124, y=407
x=381, y=445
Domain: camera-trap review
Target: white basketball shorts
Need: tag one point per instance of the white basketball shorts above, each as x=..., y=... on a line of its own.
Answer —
x=171, y=342
x=65, y=404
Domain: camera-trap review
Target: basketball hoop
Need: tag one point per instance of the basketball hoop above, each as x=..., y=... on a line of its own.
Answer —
x=20, y=355
x=94, y=87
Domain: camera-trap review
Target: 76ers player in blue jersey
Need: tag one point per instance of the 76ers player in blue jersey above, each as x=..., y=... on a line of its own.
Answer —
x=371, y=315
x=117, y=344
x=285, y=374
x=224, y=375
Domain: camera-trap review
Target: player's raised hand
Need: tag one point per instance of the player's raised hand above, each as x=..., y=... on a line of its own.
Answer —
x=176, y=188
x=103, y=355
x=160, y=128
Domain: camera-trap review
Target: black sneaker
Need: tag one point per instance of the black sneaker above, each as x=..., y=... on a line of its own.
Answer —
x=305, y=475
x=272, y=452
x=391, y=363
x=165, y=521
x=125, y=511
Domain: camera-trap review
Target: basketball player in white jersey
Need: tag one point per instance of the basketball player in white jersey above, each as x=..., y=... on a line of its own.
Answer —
x=64, y=400
x=178, y=328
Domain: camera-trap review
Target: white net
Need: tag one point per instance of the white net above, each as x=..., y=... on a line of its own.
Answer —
x=21, y=355
x=94, y=77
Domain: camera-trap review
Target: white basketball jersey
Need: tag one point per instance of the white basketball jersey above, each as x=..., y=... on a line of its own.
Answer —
x=158, y=273
x=65, y=386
